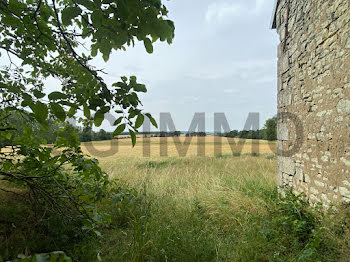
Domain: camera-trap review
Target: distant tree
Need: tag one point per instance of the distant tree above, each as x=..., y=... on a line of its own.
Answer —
x=177, y=133
x=269, y=132
x=271, y=129
x=201, y=134
x=233, y=133
x=86, y=134
x=48, y=134
x=262, y=134
x=102, y=135
x=163, y=134
x=243, y=134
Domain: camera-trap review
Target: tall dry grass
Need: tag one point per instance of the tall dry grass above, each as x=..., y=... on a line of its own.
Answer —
x=209, y=208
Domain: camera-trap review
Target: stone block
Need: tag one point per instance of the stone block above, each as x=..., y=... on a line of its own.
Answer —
x=282, y=131
x=284, y=63
x=344, y=192
x=343, y=106
x=345, y=161
x=287, y=165
x=284, y=98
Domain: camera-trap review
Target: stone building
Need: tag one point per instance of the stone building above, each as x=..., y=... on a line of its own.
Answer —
x=314, y=98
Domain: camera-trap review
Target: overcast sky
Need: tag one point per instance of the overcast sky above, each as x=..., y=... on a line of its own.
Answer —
x=223, y=59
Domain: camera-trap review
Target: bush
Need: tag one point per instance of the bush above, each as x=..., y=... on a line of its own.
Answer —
x=292, y=230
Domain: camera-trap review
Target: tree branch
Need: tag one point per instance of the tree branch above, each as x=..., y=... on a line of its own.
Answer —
x=37, y=9
x=75, y=55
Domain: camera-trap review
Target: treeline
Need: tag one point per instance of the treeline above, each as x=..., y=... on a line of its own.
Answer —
x=268, y=132
x=171, y=134
x=86, y=134
x=201, y=134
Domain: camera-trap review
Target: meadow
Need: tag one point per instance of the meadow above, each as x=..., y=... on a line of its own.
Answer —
x=223, y=207
x=207, y=208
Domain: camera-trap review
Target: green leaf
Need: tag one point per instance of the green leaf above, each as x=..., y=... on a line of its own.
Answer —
x=148, y=45
x=105, y=57
x=42, y=257
x=133, y=137
x=56, y=96
x=86, y=111
x=12, y=89
x=105, y=49
x=140, y=88
x=27, y=100
x=98, y=233
x=94, y=49
x=69, y=13
x=40, y=112
x=16, y=6
x=99, y=117
x=38, y=94
x=58, y=111
x=132, y=113
x=72, y=111
x=8, y=136
x=97, y=17
x=119, y=130
x=139, y=121
x=153, y=121
x=118, y=121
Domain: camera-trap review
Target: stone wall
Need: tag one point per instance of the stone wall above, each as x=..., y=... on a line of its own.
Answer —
x=314, y=85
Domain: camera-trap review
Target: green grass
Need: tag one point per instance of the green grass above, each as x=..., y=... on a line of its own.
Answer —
x=223, y=208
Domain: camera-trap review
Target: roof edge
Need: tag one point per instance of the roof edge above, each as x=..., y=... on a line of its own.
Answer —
x=273, y=19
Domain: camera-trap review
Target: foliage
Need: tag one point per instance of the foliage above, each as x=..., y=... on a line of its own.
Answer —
x=52, y=257
x=102, y=135
x=294, y=217
x=86, y=134
x=17, y=121
x=271, y=129
x=41, y=40
x=202, y=134
x=269, y=132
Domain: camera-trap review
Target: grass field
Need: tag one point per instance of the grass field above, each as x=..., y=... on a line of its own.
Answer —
x=194, y=208
x=228, y=146
x=208, y=208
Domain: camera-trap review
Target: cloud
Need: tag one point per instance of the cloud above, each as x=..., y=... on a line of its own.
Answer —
x=220, y=12
x=248, y=69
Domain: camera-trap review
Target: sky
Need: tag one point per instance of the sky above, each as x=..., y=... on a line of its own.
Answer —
x=223, y=59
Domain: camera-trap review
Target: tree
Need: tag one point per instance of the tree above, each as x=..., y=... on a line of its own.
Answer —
x=271, y=129
x=102, y=135
x=41, y=39
x=233, y=133
x=86, y=134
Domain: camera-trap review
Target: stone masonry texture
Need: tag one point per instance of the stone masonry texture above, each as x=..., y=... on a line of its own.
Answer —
x=314, y=85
